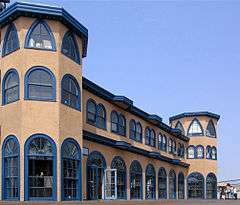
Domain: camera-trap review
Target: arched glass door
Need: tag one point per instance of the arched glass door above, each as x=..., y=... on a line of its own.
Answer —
x=162, y=183
x=211, y=186
x=150, y=182
x=135, y=180
x=195, y=183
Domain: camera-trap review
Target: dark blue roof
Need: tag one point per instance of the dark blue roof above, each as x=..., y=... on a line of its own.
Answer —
x=18, y=9
x=194, y=114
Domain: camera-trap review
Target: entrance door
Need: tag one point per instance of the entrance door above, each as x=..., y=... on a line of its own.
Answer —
x=110, y=184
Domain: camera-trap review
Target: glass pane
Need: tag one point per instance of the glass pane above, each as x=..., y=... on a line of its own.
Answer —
x=39, y=91
x=40, y=77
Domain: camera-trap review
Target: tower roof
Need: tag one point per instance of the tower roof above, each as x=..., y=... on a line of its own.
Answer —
x=34, y=10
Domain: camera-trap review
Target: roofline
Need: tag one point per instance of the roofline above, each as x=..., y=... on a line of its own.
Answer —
x=151, y=118
x=194, y=114
x=18, y=9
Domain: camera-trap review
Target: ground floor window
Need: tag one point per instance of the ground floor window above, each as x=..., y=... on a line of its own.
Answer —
x=119, y=164
x=135, y=180
x=181, y=187
x=211, y=186
x=150, y=182
x=10, y=168
x=71, y=170
x=195, y=184
x=172, y=185
x=162, y=183
x=40, y=183
x=96, y=166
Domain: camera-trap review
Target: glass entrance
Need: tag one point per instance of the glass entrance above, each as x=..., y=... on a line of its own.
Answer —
x=110, y=184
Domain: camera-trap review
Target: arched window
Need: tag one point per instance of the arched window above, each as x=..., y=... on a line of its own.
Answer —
x=211, y=186
x=180, y=127
x=147, y=136
x=70, y=47
x=10, y=169
x=101, y=116
x=71, y=94
x=96, y=166
x=153, y=138
x=200, y=152
x=71, y=170
x=195, y=128
x=114, y=122
x=139, y=132
x=40, y=168
x=91, y=111
x=135, y=180
x=11, y=41
x=10, y=87
x=119, y=164
x=191, y=152
x=172, y=185
x=150, y=182
x=211, y=129
x=160, y=141
x=164, y=143
x=181, y=150
x=170, y=144
x=174, y=147
x=122, y=125
x=209, y=152
x=162, y=183
x=195, y=186
x=132, y=129
x=181, y=186
x=40, y=36
x=214, y=153
x=40, y=84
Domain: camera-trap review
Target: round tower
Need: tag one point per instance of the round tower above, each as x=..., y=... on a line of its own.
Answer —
x=201, y=154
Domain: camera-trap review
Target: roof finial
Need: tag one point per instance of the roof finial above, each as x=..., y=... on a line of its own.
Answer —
x=3, y=4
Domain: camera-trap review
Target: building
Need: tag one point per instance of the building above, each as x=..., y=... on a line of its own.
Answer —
x=65, y=138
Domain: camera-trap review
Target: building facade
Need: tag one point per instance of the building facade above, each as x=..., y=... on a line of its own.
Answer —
x=65, y=138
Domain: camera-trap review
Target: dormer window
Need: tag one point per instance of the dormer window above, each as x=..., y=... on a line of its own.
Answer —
x=211, y=132
x=195, y=128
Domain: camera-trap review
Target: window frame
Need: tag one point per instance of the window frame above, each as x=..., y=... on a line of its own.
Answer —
x=150, y=173
x=26, y=84
x=189, y=127
x=50, y=33
x=203, y=152
x=194, y=151
x=115, y=123
x=87, y=112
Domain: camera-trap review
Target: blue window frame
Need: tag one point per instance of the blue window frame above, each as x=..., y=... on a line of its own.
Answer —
x=10, y=169
x=211, y=131
x=40, y=168
x=209, y=152
x=71, y=94
x=211, y=186
x=135, y=180
x=195, y=128
x=150, y=137
x=96, y=166
x=191, y=152
x=11, y=41
x=181, y=186
x=195, y=186
x=40, y=36
x=91, y=111
x=138, y=133
x=172, y=184
x=119, y=164
x=132, y=129
x=40, y=84
x=199, y=152
x=181, y=150
x=71, y=170
x=180, y=127
x=70, y=47
x=162, y=142
x=10, y=87
x=170, y=145
x=162, y=183
x=114, y=122
x=122, y=125
x=150, y=182
x=214, y=153
x=101, y=116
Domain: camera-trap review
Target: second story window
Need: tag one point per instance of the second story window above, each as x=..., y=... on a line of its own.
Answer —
x=150, y=137
x=40, y=84
x=191, y=152
x=122, y=125
x=170, y=145
x=101, y=116
x=200, y=152
x=10, y=87
x=208, y=152
x=118, y=123
x=214, y=153
x=40, y=36
x=11, y=41
x=114, y=121
x=135, y=131
x=91, y=111
x=138, y=132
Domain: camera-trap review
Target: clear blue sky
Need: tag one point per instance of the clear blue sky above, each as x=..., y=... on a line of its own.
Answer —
x=169, y=57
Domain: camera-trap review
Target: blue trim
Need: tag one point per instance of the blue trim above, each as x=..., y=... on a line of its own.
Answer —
x=4, y=197
x=95, y=104
x=26, y=188
x=125, y=177
x=26, y=92
x=203, y=189
x=77, y=58
x=12, y=70
x=194, y=114
x=66, y=77
x=31, y=29
x=213, y=147
x=195, y=134
x=117, y=123
x=141, y=184
x=202, y=157
x=11, y=27
x=150, y=166
x=123, y=145
x=208, y=150
x=79, y=170
x=100, y=105
x=194, y=148
x=108, y=96
x=44, y=11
